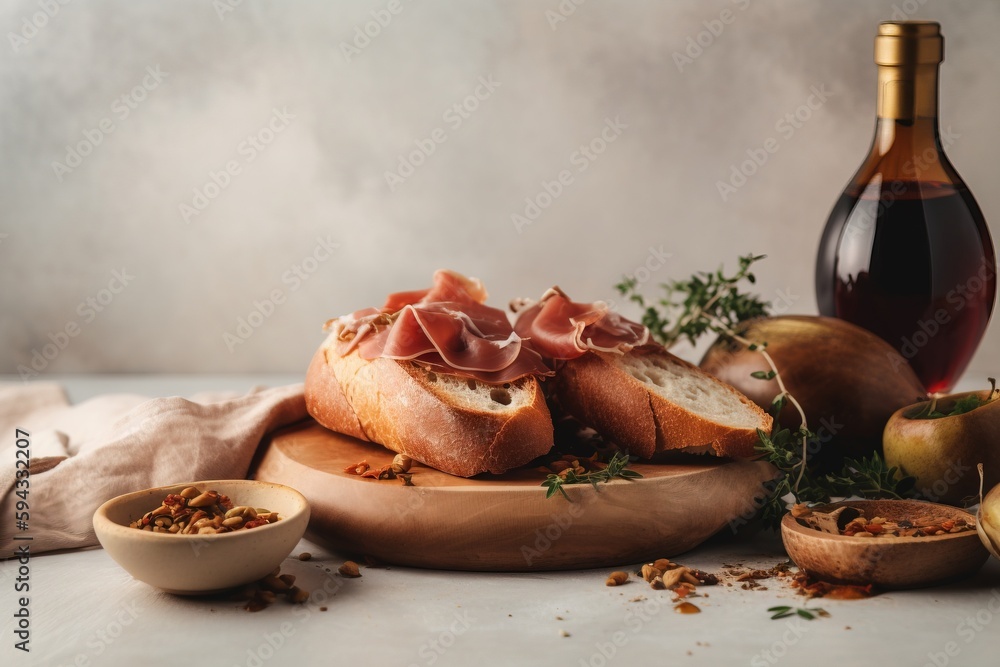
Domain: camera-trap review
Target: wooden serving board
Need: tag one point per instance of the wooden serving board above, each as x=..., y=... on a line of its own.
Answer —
x=504, y=522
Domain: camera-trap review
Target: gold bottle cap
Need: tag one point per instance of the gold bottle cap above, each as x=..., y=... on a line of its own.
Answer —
x=902, y=43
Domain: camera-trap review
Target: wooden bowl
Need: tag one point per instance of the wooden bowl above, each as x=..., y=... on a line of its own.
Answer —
x=197, y=564
x=886, y=562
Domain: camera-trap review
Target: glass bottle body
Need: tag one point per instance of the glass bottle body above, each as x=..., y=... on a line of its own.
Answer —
x=912, y=261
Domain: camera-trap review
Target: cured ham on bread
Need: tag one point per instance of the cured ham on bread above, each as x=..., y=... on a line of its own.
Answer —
x=632, y=391
x=560, y=329
x=437, y=375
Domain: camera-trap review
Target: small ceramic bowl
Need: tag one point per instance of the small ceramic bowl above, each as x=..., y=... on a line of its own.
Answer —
x=886, y=562
x=198, y=564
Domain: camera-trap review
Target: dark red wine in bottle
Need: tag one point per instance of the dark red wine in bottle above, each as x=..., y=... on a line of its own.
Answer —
x=906, y=252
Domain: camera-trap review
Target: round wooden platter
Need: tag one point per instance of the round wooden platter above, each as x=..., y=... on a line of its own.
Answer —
x=505, y=522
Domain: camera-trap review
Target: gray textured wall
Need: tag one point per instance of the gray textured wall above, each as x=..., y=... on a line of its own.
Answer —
x=330, y=122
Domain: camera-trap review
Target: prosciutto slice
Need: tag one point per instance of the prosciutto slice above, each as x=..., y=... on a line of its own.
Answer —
x=448, y=286
x=561, y=329
x=446, y=328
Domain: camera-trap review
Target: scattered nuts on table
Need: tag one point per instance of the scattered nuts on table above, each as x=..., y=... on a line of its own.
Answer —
x=617, y=578
x=662, y=574
x=349, y=569
x=263, y=592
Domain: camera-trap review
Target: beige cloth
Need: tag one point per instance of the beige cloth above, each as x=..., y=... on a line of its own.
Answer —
x=82, y=455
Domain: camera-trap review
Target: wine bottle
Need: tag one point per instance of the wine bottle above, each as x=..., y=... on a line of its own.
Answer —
x=906, y=252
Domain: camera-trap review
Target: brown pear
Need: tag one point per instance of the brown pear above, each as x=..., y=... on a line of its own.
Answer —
x=848, y=380
x=943, y=453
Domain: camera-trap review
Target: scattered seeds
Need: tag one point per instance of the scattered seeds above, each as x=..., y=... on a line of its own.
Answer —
x=297, y=595
x=401, y=463
x=265, y=591
x=616, y=578
x=349, y=569
x=194, y=512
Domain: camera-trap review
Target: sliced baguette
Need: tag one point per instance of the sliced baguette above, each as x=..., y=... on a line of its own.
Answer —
x=459, y=426
x=650, y=401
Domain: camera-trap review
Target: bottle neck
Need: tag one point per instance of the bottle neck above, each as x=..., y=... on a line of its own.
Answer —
x=907, y=108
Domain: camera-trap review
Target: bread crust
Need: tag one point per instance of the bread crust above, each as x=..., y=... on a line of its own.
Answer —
x=394, y=404
x=595, y=390
x=325, y=400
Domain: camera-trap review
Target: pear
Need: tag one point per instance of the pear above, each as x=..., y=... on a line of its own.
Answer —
x=943, y=453
x=848, y=380
x=988, y=517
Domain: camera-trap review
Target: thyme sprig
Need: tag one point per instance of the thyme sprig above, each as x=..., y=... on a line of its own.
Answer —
x=714, y=302
x=704, y=302
x=866, y=477
x=617, y=467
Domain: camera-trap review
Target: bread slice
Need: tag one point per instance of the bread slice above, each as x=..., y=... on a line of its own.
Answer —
x=649, y=401
x=460, y=426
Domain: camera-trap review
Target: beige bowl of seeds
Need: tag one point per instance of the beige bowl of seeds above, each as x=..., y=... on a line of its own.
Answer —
x=206, y=563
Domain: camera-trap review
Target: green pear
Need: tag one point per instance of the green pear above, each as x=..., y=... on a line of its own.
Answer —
x=943, y=453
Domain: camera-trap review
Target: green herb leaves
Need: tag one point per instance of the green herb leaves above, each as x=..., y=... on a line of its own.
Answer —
x=617, y=467
x=962, y=405
x=866, y=477
x=705, y=302
x=804, y=612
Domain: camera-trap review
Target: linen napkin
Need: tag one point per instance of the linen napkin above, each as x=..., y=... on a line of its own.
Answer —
x=85, y=454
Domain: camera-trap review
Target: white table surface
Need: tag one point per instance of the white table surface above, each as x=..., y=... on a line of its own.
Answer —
x=86, y=610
